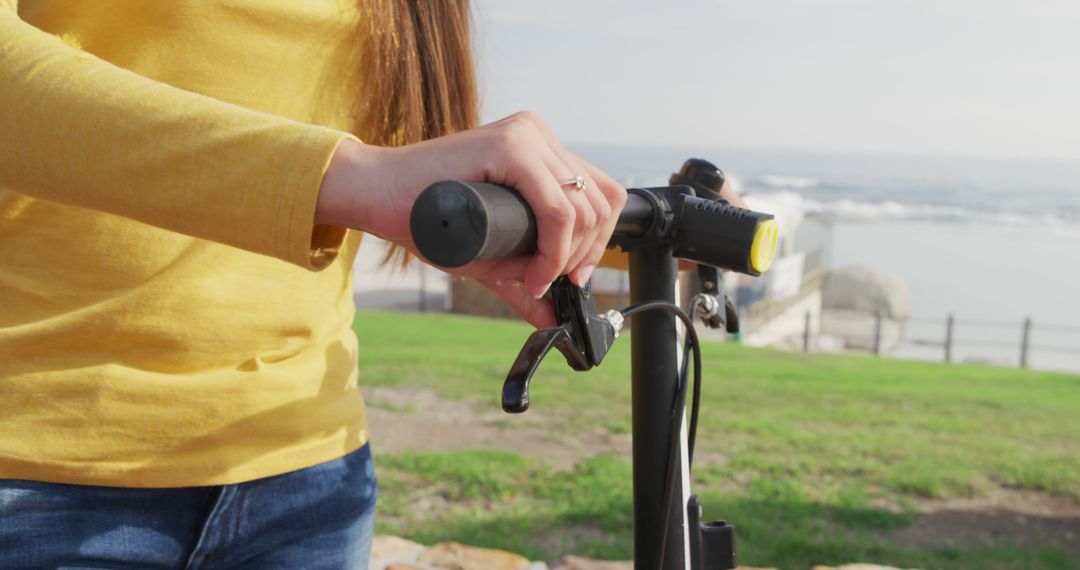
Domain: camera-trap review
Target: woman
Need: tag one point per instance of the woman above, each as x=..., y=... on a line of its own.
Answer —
x=180, y=185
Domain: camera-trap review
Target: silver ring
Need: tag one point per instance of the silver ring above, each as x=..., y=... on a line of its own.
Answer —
x=577, y=182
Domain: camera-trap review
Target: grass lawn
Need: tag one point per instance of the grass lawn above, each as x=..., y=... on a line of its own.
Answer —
x=814, y=458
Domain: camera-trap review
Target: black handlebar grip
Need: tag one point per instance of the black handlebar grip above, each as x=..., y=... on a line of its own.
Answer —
x=454, y=222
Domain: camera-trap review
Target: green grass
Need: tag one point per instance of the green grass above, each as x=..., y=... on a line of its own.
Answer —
x=813, y=457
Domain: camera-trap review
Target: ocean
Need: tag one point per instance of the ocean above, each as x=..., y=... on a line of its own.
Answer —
x=991, y=242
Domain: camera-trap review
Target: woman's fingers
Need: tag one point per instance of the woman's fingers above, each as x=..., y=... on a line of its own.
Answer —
x=579, y=267
x=565, y=238
x=728, y=192
x=565, y=175
x=585, y=235
x=503, y=276
x=586, y=222
x=555, y=216
x=615, y=196
x=594, y=207
x=578, y=167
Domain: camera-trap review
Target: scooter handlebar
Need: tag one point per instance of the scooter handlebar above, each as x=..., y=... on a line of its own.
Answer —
x=454, y=223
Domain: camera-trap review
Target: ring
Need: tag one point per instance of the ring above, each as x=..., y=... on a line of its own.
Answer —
x=577, y=182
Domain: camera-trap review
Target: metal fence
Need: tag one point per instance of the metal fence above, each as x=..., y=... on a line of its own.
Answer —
x=1024, y=343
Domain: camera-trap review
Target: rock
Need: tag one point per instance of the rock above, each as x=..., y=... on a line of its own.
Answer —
x=393, y=553
x=851, y=299
x=386, y=546
x=579, y=563
x=866, y=290
x=456, y=556
x=855, y=567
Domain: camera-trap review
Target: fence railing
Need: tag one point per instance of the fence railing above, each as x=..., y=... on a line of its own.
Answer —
x=982, y=340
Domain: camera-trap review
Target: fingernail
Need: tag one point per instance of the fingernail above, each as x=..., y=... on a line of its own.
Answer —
x=585, y=274
x=542, y=291
x=509, y=283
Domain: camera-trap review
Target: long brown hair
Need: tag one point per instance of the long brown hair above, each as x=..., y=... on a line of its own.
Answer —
x=418, y=76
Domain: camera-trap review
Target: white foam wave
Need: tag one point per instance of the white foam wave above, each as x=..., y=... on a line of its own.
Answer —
x=794, y=182
x=846, y=210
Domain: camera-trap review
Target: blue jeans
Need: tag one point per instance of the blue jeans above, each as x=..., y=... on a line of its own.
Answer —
x=319, y=517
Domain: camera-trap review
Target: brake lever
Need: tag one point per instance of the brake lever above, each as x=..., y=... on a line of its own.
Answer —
x=582, y=336
x=712, y=313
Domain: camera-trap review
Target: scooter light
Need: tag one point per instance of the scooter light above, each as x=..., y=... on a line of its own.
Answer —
x=763, y=248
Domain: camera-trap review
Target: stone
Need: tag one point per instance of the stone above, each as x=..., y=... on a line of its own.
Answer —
x=866, y=290
x=391, y=552
x=457, y=556
x=856, y=567
x=579, y=563
x=853, y=297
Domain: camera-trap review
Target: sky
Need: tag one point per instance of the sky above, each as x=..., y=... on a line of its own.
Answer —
x=998, y=78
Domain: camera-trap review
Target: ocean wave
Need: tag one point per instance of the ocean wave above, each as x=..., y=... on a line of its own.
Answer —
x=793, y=182
x=846, y=210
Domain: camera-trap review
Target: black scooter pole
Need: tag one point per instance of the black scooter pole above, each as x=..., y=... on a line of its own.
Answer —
x=654, y=374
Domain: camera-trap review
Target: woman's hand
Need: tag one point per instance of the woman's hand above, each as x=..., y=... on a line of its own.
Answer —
x=373, y=189
x=728, y=192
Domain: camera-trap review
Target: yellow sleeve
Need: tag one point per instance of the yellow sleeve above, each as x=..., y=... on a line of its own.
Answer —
x=77, y=130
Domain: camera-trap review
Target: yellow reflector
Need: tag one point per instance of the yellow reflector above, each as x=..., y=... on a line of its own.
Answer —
x=763, y=250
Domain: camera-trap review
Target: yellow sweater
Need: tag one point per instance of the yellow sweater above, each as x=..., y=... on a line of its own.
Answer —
x=169, y=316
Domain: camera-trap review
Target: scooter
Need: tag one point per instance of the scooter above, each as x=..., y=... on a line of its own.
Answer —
x=454, y=223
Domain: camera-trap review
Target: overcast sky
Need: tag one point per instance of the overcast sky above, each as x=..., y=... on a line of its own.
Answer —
x=938, y=77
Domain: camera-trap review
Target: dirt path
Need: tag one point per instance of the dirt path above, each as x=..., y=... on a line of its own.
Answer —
x=1025, y=518
x=417, y=419
x=405, y=418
